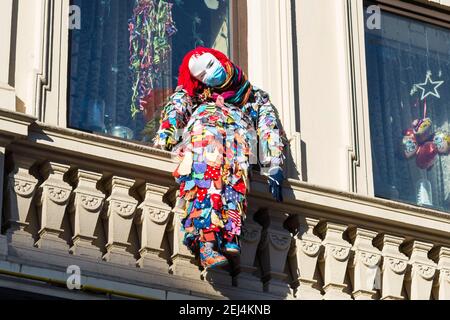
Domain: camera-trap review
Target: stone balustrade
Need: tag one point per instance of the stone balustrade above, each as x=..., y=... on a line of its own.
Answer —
x=110, y=207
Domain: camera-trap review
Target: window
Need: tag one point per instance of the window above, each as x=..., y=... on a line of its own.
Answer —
x=408, y=79
x=124, y=59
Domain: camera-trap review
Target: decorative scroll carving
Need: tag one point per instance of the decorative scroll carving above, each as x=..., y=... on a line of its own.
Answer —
x=159, y=216
x=426, y=272
x=369, y=259
x=123, y=209
x=91, y=203
x=339, y=253
x=445, y=275
x=280, y=242
x=24, y=188
x=250, y=235
x=58, y=195
x=310, y=248
x=397, y=265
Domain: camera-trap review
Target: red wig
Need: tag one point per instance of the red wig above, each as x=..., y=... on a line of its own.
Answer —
x=185, y=78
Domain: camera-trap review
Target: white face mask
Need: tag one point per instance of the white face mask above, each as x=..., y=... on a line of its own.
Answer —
x=207, y=69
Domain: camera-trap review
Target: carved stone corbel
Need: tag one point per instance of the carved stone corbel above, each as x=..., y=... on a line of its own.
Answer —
x=119, y=215
x=85, y=212
x=394, y=267
x=273, y=251
x=335, y=259
x=20, y=190
x=152, y=222
x=444, y=273
x=54, y=194
x=183, y=261
x=303, y=259
x=365, y=264
x=250, y=237
x=420, y=279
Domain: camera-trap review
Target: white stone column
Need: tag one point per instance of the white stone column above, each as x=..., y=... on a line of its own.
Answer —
x=54, y=194
x=444, y=273
x=420, y=279
x=7, y=94
x=303, y=261
x=251, y=235
x=183, y=261
x=365, y=264
x=335, y=259
x=120, y=215
x=85, y=212
x=21, y=187
x=152, y=222
x=394, y=267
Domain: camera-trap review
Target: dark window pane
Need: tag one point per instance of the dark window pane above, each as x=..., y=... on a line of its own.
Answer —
x=408, y=77
x=105, y=86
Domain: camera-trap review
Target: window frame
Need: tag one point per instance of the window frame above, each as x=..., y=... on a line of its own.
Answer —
x=362, y=180
x=238, y=50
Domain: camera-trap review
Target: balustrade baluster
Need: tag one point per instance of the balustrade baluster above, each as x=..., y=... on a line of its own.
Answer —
x=21, y=187
x=394, y=267
x=85, y=212
x=53, y=198
x=152, y=222
x=365, y=264
x=119, y=215
x=423, y=270
x=335, y=260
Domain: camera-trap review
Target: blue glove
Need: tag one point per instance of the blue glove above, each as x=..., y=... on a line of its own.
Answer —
x=275, y=179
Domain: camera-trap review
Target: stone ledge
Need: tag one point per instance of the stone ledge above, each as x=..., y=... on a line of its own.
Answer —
x=51, y=266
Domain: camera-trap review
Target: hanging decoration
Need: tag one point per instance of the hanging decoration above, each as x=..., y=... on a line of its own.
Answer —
x=420, y=141
x=429, y=87
x=150, y=29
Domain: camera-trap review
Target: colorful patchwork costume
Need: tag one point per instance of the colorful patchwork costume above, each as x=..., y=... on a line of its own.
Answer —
x=219, y=125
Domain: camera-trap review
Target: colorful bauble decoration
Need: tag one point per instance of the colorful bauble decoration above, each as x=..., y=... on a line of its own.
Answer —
x=426, y=155
x=410, y=145
x=442, y=141
x=421, y=142
x=422, y=129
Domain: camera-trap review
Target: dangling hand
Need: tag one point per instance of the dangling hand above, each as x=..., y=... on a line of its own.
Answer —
x=220, y=101
x=275, y=179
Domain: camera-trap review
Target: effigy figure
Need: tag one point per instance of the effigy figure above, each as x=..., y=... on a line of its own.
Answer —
x=219, y=125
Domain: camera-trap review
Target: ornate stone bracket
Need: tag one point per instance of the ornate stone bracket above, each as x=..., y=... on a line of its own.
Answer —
x=119, y=215
x=365, y=265
x=394, y=266
x=152, y=221
x=422, y=270
x=54, y=194
x=21, y=188
x=336, y=256
x=85, y=213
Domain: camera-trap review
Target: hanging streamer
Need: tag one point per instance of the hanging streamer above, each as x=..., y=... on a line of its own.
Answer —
x=150, y=30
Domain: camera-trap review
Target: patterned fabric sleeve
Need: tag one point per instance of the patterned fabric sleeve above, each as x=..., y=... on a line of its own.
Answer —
x=174, y=118
x=270, y=134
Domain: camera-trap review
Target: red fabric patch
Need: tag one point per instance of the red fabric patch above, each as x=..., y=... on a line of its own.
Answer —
x=240, y=187
x=217, y=201
x=165, y=125
x=212, y=173
x=201, y=194
x=182, y=192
